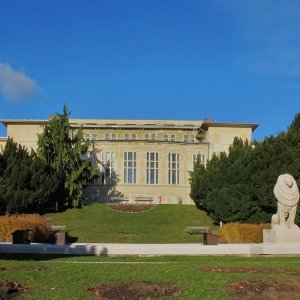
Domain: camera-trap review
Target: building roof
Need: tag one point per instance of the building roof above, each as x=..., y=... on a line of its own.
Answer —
x=111, y=123
x=151, y=124
x=205, y=125
x=6, y=122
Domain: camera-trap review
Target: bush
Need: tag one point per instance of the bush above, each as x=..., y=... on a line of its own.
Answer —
x=242, y=233
x=40, y=227
x=27, y=184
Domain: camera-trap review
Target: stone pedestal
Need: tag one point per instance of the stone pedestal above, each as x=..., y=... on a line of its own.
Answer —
x=282, y=234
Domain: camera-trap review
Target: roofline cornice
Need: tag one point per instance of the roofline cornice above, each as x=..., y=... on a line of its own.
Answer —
x=113, y=123
x=6, y=122
x=206, y=125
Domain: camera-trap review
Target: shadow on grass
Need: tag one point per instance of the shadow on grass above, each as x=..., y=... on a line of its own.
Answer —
x=72, y=239
x=37, y=257
x=47, y=252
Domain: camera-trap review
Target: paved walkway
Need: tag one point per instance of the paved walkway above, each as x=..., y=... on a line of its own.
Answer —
x=154, y=249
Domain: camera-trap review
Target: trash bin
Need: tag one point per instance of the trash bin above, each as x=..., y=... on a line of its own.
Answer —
x=21, y=236
x=61, y=237
x=210, y=239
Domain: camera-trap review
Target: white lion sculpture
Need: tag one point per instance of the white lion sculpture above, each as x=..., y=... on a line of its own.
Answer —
x=287, y=193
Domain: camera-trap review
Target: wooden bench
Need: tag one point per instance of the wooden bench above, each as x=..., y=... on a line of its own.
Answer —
x=197, y=230
x=208, y=237
x=119, y=199
x=144, y=199
x=58, y=228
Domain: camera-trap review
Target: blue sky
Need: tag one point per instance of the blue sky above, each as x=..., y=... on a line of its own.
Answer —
x=230, y=60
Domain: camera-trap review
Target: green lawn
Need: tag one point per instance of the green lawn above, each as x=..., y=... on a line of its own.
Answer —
x=162, y=224
x=67, y=277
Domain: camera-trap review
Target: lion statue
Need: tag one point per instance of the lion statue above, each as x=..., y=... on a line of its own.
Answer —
x=287, y=193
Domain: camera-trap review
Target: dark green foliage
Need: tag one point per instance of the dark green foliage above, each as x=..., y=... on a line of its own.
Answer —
x=296, y=123
x=196, y=180
x=238, y=187
x=27, y=185
x=65, y=151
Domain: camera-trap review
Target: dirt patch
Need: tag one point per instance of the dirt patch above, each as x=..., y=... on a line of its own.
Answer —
x=252, y=270
x=131, y=208
x=265, y=290
x=10, y=290
x=138, y=290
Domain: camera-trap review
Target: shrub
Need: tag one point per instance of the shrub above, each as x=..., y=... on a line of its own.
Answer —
x=39, y=226
x=242, y=233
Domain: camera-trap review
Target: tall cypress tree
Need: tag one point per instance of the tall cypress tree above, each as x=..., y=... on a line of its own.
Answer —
x=66, y=152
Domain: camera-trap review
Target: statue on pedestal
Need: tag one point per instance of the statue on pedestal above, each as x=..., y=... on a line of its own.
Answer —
x=283, y=224
x=287, y=193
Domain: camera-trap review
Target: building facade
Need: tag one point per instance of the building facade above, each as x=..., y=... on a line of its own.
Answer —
x=2, y=143
x=142, y=158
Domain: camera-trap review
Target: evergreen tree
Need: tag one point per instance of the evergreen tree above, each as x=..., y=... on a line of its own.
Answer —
x=296, y=122
x=27, y=185
x=238, y=187
x=65, y=151
x=229, y=197
x=196, y=180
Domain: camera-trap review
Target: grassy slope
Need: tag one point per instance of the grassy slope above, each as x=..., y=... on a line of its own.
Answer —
x=163, y=224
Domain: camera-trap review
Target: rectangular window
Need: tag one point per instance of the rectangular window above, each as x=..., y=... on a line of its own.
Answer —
x=87, y=136
x=129, y=165
x=166, y=137
x=108, y=175
x=133, y=136
x=173, y=138
x=106, y=136
x=174, y=168
x=150, y=136
x=113, y=136
x=90, y=136
x=199, y=156
x=185, y=138
x=126, y=136
x=152, y=168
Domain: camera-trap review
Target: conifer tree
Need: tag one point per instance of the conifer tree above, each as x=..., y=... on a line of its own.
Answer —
x=27, y=185
x=66, y=151
x=196, y=180
x=238, y=187
x=296, y=123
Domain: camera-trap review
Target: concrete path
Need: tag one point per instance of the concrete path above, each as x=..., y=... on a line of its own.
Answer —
x=154, y=249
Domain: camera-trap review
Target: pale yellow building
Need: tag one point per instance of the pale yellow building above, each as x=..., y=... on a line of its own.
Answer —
x=2, y=143
x=142, y=159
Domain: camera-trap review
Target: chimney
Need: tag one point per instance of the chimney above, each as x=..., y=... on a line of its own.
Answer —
x=207, y=120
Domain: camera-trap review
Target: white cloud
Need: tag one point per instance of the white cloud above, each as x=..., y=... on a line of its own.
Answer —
x=15, y=85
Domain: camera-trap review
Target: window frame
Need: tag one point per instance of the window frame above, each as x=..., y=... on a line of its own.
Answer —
x=174, y=169
x=129, y=167
x=108, y=157
x=202, y=159
x=152, y=168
